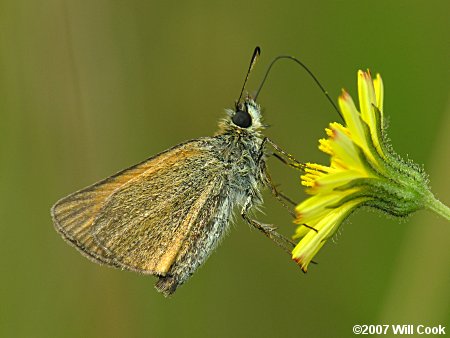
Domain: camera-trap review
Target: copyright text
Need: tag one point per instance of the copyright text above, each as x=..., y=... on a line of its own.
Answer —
x=399, y=329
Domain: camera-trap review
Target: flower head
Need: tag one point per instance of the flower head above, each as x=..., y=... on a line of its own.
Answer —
x=364, y=171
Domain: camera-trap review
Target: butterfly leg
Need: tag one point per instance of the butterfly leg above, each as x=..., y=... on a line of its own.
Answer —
x=268, y=181
x=273, y=189
x=284, y=157
x=267, y=229
x=278, y=195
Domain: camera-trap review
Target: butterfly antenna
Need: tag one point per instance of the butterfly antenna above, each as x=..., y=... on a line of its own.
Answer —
x=256, y=53
x=307, y=70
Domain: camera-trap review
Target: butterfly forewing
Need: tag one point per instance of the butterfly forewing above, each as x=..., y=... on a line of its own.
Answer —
x=144, y=217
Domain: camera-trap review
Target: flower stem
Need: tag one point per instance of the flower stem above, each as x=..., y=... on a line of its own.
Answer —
x=433, y=204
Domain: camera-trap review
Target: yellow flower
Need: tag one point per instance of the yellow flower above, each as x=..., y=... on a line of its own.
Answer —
x=364, y=171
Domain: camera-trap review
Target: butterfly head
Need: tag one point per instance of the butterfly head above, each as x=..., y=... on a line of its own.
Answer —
x=245, y=117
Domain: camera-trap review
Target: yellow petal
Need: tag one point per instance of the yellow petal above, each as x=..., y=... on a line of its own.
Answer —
x=324, y=146
x=366, y=94
x=368, y=99
x=313, y=167
x=345, y=151
x=309, y=245
x=379, y=91
x=352, y=118
x=327, y=183
x=318, y=205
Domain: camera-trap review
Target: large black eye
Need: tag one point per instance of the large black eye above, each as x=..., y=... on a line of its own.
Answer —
x=242, y=119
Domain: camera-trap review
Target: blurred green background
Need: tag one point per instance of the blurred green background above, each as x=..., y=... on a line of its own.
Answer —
x=89, y=88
